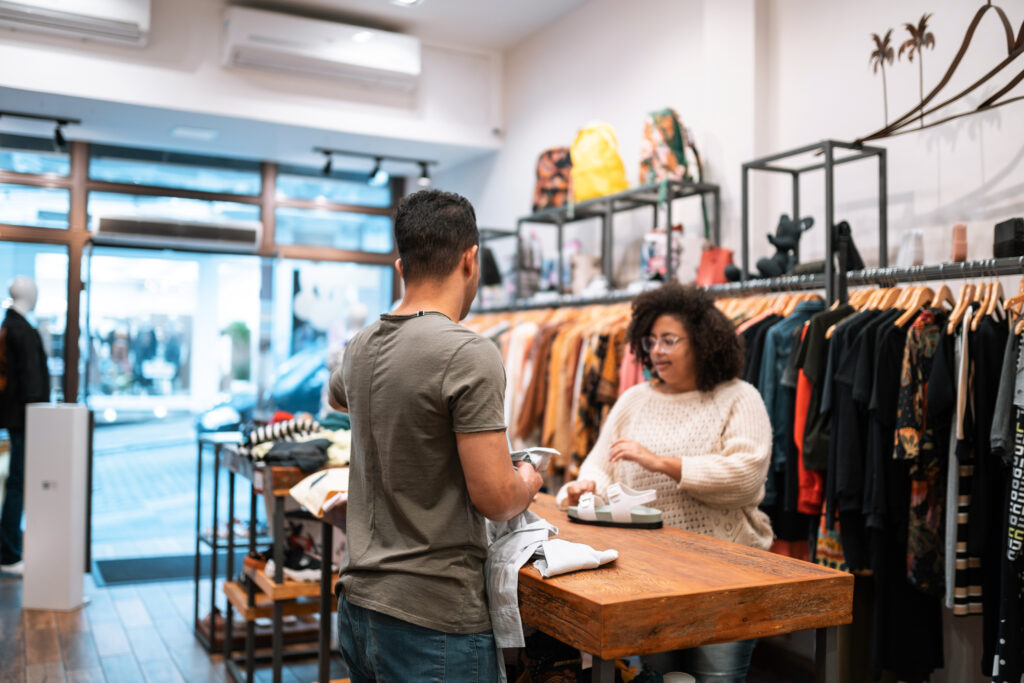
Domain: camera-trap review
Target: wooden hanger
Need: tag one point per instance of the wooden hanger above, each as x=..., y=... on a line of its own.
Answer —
x=917, y=301
x=963, y=301
x=889, y=299
x=875, y=300
x=944, y=295
x=992, y=292
x=1014, y=304
x=995, y=298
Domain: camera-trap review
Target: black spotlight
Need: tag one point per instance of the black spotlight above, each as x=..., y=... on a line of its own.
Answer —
x=375, y=170
x=424, y=179
x=328, y=163
x=58, y=135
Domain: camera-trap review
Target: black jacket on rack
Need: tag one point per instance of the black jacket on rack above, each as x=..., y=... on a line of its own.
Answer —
x=24, y=377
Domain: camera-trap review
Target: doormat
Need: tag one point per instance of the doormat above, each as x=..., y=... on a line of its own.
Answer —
x=159, y=568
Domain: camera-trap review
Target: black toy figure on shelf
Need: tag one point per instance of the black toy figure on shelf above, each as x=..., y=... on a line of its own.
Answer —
x=786, y=240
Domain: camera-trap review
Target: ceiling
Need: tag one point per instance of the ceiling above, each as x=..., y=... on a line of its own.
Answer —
x=130, y=125
x=487, y=24
x=481, y=24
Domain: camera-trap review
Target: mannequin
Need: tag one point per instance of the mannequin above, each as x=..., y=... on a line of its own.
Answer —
x=24, y=379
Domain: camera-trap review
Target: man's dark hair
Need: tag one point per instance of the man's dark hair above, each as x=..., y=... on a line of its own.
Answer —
x=717, y=349
x=433, y=229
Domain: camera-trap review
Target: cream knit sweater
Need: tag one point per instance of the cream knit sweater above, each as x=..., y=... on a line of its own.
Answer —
x=724, y=439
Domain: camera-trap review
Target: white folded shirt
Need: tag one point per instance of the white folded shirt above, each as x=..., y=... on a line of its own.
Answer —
x=561, y=557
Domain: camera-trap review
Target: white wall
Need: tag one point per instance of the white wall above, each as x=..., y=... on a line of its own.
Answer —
x=458, y=101
x=967, y=170
x=609, y=61
x=753, y=78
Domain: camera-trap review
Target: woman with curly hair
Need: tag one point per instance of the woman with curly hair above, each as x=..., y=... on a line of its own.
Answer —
x=696, y=434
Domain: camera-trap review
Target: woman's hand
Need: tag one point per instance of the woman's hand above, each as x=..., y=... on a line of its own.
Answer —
x=624, y=449
x=575, y=489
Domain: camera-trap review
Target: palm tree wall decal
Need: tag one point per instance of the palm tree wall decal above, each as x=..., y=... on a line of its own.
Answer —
x=920, y=38
x=1014, y=53
x=883, y=53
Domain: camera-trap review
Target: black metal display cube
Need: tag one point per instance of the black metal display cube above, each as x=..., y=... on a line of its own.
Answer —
x=833, y=153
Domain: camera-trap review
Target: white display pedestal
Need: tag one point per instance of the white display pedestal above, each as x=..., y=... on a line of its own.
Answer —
x=56, y=453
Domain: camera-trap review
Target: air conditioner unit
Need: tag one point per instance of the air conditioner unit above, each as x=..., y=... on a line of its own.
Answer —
x=131, y=231
x=116, y=21
x=282, y=42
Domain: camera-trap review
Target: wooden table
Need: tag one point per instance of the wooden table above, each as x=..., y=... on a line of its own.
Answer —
x=672, y=589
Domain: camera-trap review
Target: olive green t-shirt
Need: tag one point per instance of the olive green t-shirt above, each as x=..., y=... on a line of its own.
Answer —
x=416, y=545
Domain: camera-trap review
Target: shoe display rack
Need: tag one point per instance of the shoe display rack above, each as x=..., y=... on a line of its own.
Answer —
x=257, y=595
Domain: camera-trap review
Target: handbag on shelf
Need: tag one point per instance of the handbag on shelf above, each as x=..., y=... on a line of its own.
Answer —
x=597, y=168
x=713, y=261
x=554, y=179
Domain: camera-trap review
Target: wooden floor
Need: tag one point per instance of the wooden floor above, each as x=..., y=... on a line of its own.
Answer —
x=140, y=633
x=127, y=634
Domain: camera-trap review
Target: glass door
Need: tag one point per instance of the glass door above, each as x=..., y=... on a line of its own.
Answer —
x=168, y=335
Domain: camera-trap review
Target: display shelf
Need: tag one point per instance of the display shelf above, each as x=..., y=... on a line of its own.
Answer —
x=833, y=153
x=300, y=632
x=651, y=195
x=288, y=590
x=264, y=607
x=222, y=543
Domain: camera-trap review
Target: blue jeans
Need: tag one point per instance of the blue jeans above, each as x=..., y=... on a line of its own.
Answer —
x=719, y=663
x=14, y=498
x=377, y=647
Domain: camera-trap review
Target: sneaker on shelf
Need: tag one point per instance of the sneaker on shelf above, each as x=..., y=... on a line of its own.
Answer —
x=298, y=566
x=14, y=569
x=257, y=559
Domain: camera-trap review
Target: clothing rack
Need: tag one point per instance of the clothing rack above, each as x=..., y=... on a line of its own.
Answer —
x=884, y=277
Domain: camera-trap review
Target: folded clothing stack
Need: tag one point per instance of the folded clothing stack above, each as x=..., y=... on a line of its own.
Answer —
x=278, y=444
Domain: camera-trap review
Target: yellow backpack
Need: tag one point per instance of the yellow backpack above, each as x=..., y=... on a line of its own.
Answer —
x=597, y=168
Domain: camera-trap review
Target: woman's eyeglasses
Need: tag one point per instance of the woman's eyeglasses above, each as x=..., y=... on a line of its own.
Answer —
x=667, y=343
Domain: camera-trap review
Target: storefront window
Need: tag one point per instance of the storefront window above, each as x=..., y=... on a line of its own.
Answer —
x=32, y=155
x=317, y=307
x=333, y=229
x=141, y=206
x=338, y=190
x=178, y=171
x=47, y=266
x=35, y=207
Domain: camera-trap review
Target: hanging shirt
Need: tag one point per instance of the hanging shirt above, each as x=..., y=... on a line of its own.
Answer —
x=918, y=444
x=777, y=346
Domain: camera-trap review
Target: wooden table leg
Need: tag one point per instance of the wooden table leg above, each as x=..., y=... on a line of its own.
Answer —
x=603, y=671
x=826, y=655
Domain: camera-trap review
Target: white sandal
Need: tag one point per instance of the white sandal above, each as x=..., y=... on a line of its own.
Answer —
x=626, y=509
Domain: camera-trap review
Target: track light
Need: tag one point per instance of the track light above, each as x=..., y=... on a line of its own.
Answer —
x=58, y=135
x=59, y=140
x=378, y=177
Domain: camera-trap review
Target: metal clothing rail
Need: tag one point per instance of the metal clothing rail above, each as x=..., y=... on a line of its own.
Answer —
x=885, y=277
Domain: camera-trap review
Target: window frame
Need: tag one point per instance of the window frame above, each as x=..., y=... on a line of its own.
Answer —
x=77, y=236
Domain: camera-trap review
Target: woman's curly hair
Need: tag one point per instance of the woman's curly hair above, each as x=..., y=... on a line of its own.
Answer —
x=717, y=349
